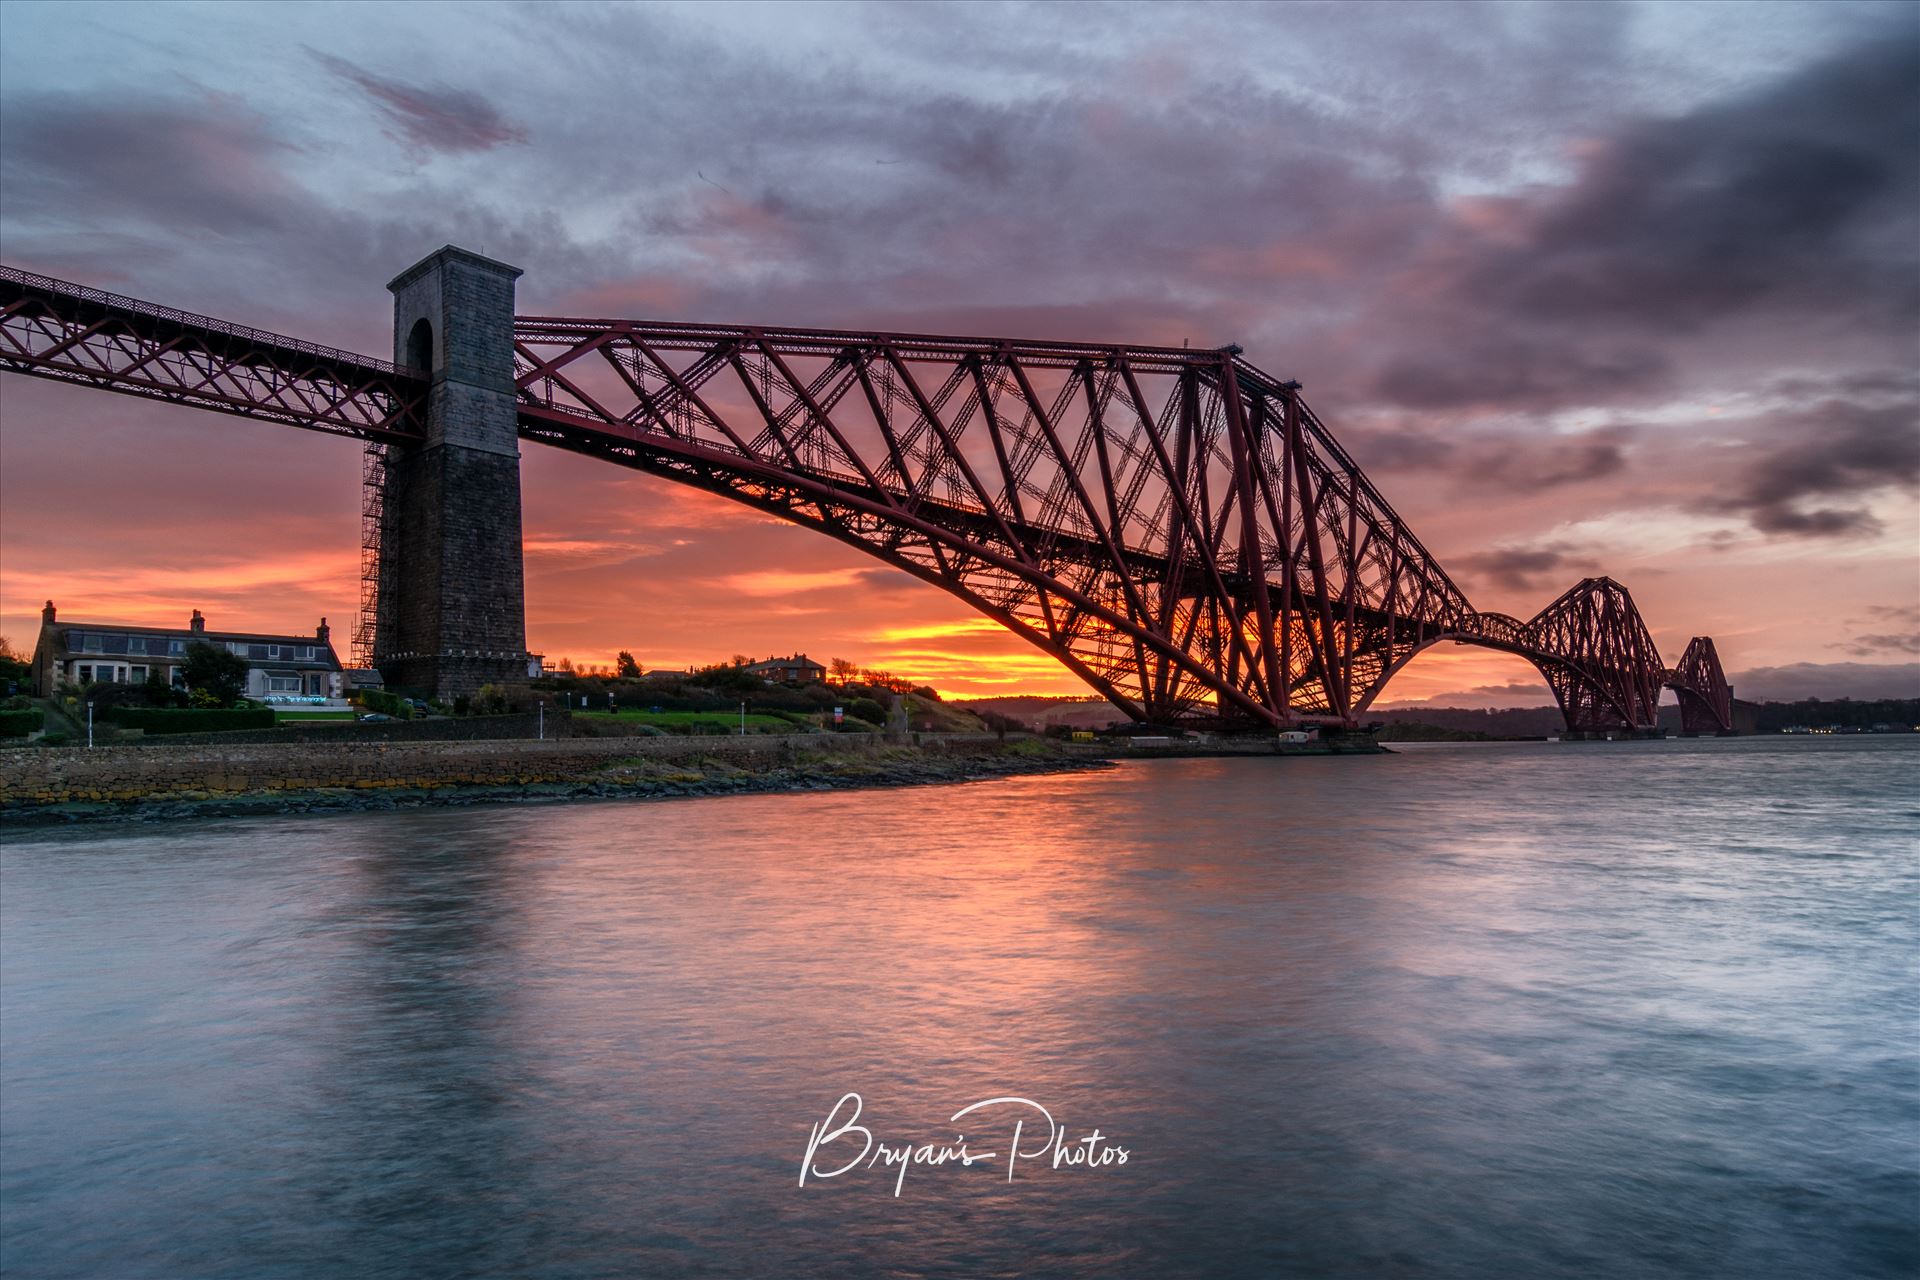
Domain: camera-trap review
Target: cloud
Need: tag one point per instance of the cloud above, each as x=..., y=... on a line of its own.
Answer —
x=1791, y=200
x=1776, y=198
x=1798, y=680
x=1873, y=643
x=430, y=119
x=1483, y=697
x=1868, y=645
x=208, y=163
x=1837, y=449
x=1523, y=568
x=777, y=582
x=1515, y=261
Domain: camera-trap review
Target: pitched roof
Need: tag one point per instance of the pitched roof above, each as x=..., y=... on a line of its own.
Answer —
x=186, y=633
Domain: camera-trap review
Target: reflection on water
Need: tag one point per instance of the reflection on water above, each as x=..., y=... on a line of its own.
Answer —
x=1628, y=1010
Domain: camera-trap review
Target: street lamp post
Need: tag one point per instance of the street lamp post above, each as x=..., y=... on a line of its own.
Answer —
x=89, y=726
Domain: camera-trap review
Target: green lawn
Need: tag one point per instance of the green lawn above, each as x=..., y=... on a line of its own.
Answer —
x=283, y=717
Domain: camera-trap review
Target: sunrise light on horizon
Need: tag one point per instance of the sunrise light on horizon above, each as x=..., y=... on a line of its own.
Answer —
x=1497, y=302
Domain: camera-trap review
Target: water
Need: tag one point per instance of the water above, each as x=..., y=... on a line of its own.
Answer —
x=1619, y=1010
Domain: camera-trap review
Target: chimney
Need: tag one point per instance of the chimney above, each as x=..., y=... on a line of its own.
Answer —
x=197, y=624
x=323, y=632
x=46, y=615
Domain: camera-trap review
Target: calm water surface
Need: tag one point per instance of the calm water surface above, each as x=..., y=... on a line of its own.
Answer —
x=1620, y=1010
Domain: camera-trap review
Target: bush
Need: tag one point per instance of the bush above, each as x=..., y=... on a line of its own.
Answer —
x=867, y=709
x=105, y=697
x=18, y=724
x=158, y=720
x=385, y=703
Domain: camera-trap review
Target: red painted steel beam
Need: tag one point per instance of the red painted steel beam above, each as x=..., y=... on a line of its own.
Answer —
x=1185, y=551
x=68, y=333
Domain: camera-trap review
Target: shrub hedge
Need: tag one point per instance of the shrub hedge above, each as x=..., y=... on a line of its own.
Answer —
x=385, y=703
x=191, y=720
x=18, y=724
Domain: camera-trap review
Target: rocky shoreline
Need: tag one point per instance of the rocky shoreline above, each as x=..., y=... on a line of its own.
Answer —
x=628, y=780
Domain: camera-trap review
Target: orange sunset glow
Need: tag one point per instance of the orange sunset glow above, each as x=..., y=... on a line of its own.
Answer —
x=1736, y=448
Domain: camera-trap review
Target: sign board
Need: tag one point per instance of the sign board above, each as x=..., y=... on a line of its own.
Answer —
x=839, y=713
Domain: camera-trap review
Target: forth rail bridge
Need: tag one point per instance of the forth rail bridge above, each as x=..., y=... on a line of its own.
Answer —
x=1174, y=526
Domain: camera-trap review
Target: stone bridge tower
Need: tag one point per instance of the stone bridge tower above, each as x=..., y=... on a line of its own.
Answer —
x=451, y=614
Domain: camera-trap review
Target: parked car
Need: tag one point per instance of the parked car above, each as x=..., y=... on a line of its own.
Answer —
x=375, y=717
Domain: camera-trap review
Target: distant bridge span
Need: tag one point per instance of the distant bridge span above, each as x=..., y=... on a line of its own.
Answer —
x=1176, y=527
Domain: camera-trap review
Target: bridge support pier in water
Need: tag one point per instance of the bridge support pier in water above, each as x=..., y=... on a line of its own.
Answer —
x=451, y=613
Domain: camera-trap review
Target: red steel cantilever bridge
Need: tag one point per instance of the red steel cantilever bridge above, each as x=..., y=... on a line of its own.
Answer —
x=1175, y=526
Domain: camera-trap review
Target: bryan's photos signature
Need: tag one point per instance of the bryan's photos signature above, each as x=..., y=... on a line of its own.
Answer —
x=840, y=1144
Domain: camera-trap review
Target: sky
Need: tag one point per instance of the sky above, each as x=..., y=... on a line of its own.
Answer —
x=1629, y=289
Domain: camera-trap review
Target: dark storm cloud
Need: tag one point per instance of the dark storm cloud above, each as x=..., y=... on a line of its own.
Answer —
x=1837, y=451
x=1906, y=639
x=1791, y=204
x=205, y=182
x=1827, y=680
x=1524, y=568
x=1520, y=372
x=1793, y=196
x=436, y=119
x=1511, y=461
x=206, y=163
x=1872, y=645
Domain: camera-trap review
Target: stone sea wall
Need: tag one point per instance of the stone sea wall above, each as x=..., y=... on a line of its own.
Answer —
x=33, y=777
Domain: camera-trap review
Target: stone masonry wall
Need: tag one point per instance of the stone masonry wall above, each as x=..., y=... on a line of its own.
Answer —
x=455, y=558
x=42, y=776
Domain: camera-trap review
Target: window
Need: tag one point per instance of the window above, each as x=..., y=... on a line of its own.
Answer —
x=307, y=652
x=90, y=641
x=176, y=647
x=84, y=673
x=252, y=651
x=283, y=682
x=273, y=651
x=136, y=675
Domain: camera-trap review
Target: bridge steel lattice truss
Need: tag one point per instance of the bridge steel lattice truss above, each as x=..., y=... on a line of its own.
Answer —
x=1175, y=526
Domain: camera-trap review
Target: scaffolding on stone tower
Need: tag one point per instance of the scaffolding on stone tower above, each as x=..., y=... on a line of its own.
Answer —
x=374, y=533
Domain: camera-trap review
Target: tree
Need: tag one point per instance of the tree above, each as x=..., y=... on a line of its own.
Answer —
x=215, y=672
x=14, y=665
x=627, y=668
x=843, y=671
